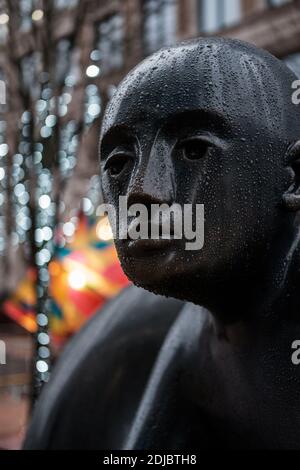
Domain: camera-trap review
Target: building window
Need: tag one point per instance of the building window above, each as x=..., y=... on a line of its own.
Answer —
x=25, y=11
x=160, y=24
x=67, y=63
x=215, y=15
x=277, y=3
x=2, y=90
x=3, y=33
x=109, y=51
x=4, y=22
x=31, y=67
x=293, y=62
x=61, y=4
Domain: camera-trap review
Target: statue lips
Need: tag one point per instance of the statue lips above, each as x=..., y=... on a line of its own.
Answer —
x=162, y=240
x=146, y=247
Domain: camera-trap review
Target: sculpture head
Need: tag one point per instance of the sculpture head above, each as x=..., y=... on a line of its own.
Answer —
x=210, y=121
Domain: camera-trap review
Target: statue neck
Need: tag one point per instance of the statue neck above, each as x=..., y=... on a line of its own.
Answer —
x=271, y=303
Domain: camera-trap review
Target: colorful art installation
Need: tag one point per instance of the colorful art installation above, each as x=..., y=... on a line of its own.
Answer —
x=84, y=274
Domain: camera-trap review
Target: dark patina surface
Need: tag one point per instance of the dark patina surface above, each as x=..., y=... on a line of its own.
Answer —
x=211, y=122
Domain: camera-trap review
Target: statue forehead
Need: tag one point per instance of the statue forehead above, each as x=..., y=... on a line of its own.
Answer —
x=226, y=77
x=173, y=80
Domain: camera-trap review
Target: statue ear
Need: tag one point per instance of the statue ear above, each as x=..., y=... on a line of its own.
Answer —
x=291, y=197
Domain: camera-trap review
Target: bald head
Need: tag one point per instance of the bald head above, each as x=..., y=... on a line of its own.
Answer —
x=230, y=77
x=211, y=122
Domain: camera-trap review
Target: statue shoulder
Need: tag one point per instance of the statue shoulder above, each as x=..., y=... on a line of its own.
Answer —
x=106, y=363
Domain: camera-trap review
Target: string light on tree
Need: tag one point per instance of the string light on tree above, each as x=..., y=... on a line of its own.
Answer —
x=37, y=15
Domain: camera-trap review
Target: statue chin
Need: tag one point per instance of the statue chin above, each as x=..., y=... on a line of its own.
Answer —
x=166, y=282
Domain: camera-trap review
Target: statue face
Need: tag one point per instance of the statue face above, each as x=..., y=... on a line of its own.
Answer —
x=194, y=124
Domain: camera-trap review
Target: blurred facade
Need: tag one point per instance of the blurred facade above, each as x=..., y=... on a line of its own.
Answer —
x=96, y=43
x=112, y=37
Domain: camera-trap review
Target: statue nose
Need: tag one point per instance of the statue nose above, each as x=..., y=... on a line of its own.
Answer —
x=154, y=181
x=153, y=184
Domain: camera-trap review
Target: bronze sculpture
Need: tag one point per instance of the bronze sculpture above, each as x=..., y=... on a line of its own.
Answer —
x=209, y=121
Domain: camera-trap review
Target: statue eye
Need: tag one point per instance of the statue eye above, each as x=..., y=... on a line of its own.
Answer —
x=115, y=164
x=194, y=148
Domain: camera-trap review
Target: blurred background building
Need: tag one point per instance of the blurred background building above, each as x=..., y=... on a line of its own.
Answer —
x=61, y=61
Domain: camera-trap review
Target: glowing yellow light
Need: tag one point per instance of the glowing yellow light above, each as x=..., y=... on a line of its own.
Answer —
x=37, y=15
x=54, y=268
x=103, y=230
x=77, y=279
x=4, y=18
